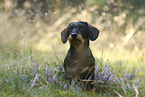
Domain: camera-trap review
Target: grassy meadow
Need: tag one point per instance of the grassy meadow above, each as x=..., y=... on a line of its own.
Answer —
x=32, y=54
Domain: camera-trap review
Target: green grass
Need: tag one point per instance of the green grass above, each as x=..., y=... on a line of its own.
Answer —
x=13, y=68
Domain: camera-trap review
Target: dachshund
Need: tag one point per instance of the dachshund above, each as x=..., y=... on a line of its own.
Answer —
x=79, y=63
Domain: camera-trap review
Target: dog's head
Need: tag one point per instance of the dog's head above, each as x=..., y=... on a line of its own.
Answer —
x=78, y=32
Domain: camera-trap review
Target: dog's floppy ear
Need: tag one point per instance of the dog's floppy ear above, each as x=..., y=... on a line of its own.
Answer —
x=64, y=35
x=93, y=32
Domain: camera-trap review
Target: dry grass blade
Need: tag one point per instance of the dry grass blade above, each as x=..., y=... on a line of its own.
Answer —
x=34, y=81
x=117, y=93
x=136, y=90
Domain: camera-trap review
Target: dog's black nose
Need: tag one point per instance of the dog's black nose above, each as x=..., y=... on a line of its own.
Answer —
x=74, y=35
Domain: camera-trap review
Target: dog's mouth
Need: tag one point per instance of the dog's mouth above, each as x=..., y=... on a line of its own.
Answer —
x=75, y=42
x=75, y=39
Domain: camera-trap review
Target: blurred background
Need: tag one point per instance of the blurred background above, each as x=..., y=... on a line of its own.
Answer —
x=36, y=25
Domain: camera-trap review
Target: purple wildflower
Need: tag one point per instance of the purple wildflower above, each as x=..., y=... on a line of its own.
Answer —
x=34, y=67
x=97, y=67
x=24, y=71
x=123, y=89
x=24, y=77
x=128, y=85
x=65, y=86
x=16, y=72
x=140, y=70
x=35, y=85
x=30, y=67
x=122, y=80
x=5, y=79
x=62, y=67
x=54, y=78
x=48, y=71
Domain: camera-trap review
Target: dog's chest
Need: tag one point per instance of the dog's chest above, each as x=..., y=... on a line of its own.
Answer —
x=79, y=65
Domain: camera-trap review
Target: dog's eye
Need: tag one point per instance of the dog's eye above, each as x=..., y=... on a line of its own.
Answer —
x=81, y=27
x=70, y=28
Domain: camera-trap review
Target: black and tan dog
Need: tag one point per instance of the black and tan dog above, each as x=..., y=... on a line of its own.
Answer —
x=79, y=63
